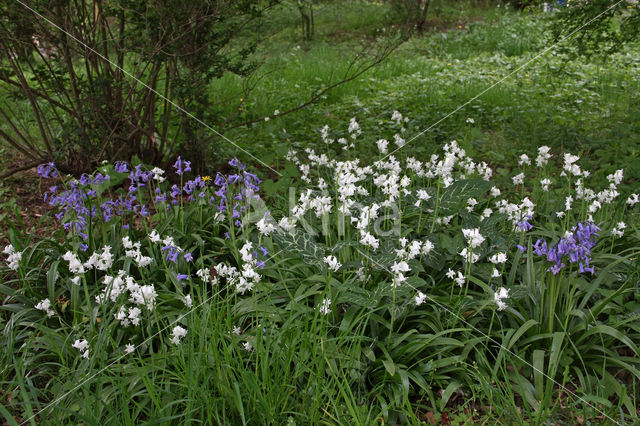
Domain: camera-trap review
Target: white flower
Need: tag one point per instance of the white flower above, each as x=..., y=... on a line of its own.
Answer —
x=382, y=145
x=158, y=174
x=144, y=295
x=154, y=236
x=524, y=160
x=470, y=120
x=569, y=166
x=324, y=308
x=495, y=273
x=332, y=263
x=177, y=334
x=354, y=128
x=100, y=261
x=616, y=178
x=397, y=139
x=471, y=203
x=75, y=266
x=420, y=298
x=76, y=280
x=633, y=199
x=287, y=224
x=499, y=296
x=495, y=191
x=543, y=156
x=518, y=179
x=369, y=240
x=236, y=330
x=129, y=348
x=45, y=305
x=134, y=315
x=399, y=267
x=204, y=274
x=427, y=247
x=618, y=231
x=14, y=258
x=567, y=202
x=473, y=236
x=265, y=227
x=498, y=258
x=247, y=346
x=82, y=346
x=187, y=301
x=545, y=184
x=469, y=256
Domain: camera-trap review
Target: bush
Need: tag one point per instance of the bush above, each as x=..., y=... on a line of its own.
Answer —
x=110, y=80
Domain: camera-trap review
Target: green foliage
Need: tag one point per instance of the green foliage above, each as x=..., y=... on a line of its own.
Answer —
x=75, y=68
x=600, y=27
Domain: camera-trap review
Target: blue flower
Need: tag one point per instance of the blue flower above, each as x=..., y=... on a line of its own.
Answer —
x=182, y=166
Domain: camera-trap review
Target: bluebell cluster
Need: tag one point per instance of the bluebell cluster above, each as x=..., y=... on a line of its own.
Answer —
x=73, y=202
x=572, y=248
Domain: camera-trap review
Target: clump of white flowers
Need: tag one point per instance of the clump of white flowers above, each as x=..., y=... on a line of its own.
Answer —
x=458, y=277
x=332, y=263
x=14, y=257
x=618, y=230
x=75, y=266
x=133, y=251
x=325, y=306
x=177, y=334
x=45, y=305
x=473, y=236
x=100, y=260
x=499, y=298
x=83, y=346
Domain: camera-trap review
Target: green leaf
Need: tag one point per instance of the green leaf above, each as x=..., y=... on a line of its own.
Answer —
x=446, y=395
x=459, y=192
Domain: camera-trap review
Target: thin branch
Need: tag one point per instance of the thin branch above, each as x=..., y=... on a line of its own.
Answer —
x=20, y=169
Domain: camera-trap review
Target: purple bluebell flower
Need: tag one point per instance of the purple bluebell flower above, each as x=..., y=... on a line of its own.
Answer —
x=172, y=253
x=175, y=191
x=521, y=248
x=47, y=170
x=188, y=257
x=576, y=246
x=84, y=247
x=182, y=277
x=121, y=167
x=524, y=225
x=182, y=166
x=263, y=250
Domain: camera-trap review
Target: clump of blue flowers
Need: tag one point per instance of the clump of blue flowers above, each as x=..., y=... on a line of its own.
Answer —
x=574, y=247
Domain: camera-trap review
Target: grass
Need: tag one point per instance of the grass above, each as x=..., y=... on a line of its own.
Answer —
x=580, y=105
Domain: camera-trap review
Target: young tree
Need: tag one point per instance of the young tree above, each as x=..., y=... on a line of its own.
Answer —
x=109, y=79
